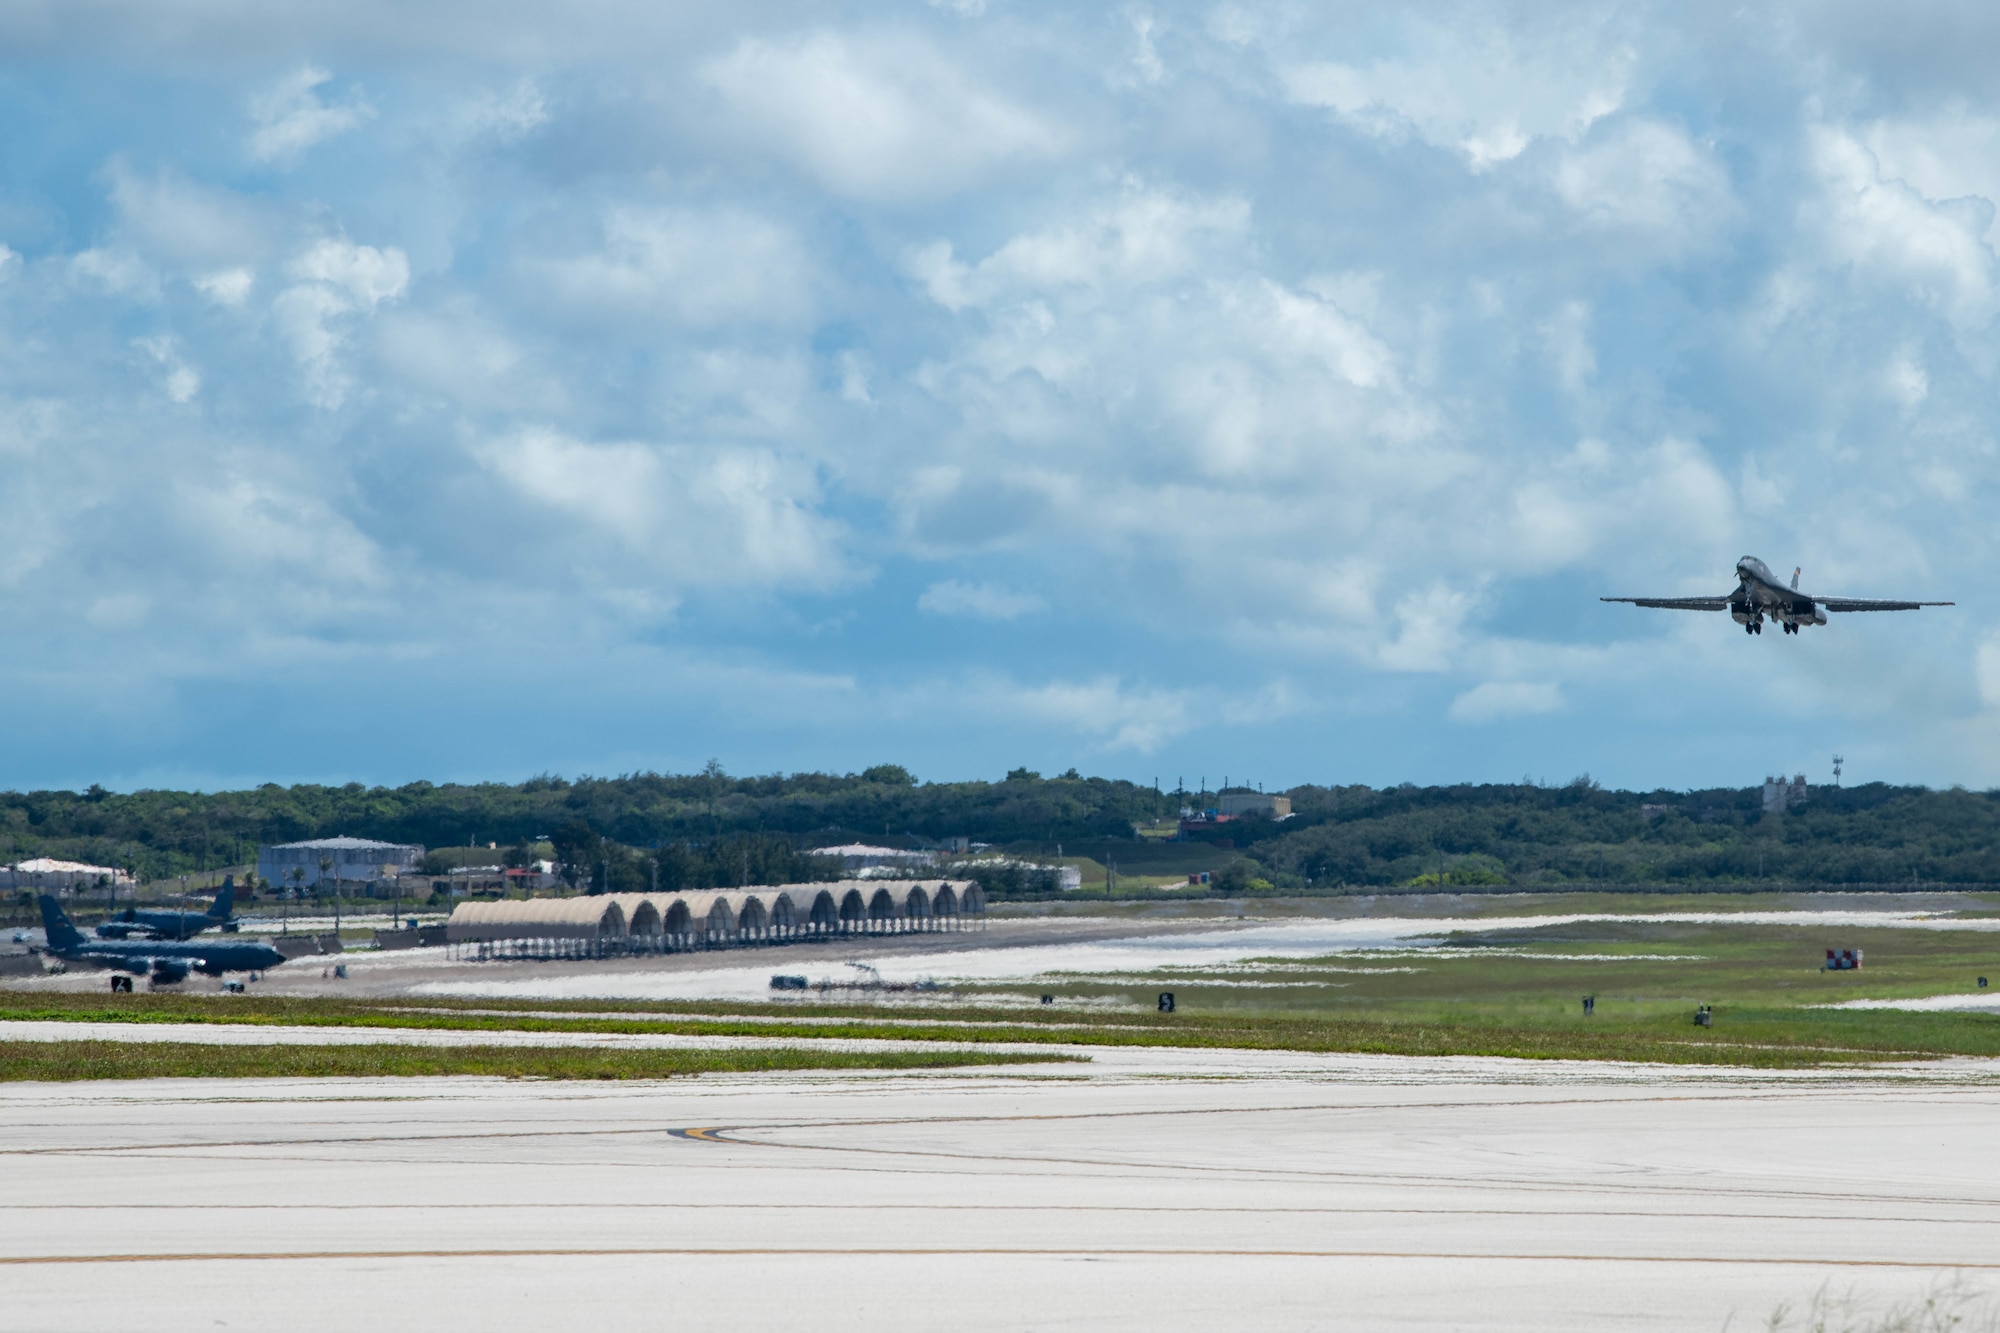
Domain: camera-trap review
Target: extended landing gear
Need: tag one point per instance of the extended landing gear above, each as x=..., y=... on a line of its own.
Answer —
x=1754, y=627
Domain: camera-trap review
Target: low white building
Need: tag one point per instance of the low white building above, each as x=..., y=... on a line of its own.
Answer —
x=347, y=860
x=44, y=872
x=860, y=856
x=1068, y=878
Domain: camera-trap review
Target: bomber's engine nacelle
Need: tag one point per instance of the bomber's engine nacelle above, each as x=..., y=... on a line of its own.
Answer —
x=1742, y=614
x=1795, y=618
x=167, y=971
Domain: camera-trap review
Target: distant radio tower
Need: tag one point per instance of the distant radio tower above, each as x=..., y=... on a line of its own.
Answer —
x=1837, y=762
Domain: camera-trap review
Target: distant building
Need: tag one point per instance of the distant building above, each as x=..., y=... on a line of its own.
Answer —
x=1253, y=804
x=1780, y=795
x=1067, y=878
x=862, y=856
x=353, y=859
x=44, y=872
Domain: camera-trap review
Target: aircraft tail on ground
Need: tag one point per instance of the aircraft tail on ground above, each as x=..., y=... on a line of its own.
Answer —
x=224, y=900
x=62, y=935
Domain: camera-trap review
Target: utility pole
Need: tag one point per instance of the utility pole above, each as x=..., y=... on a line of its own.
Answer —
x=325, y=866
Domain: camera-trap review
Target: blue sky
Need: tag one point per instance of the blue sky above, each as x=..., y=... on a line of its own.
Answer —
x=460, y=391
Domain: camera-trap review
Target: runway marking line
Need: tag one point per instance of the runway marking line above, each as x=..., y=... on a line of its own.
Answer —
x=18, y=1261
x=716, y=1134
x=1774, y=1094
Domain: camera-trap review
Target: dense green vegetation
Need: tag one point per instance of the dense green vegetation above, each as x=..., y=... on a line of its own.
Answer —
x=165, y=832
x=69, y=1061
x=709, y=828
x=1873, y=834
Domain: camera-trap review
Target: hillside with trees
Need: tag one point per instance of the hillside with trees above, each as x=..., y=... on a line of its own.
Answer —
x=699, y=829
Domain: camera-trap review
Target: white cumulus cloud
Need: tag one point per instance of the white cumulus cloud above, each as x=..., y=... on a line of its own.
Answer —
x=334, y=279
x=1475, y=87
x=686, y=266
x=692, y=516
x=291, y=116
x=876, y=118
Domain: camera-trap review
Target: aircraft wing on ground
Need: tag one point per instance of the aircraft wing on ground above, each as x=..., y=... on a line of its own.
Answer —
x=1675, y=603
x=1871, y=604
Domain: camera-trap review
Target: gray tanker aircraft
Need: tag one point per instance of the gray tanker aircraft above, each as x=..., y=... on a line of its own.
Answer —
x=1759, y=594
x=132, y=922
x=168, y=960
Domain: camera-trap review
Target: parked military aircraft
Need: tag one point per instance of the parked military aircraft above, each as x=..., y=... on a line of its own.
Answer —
x=168, y=961
x=173, y=925
x=1759, y=594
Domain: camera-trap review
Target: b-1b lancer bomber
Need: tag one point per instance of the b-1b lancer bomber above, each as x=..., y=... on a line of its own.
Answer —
x=1759, y=594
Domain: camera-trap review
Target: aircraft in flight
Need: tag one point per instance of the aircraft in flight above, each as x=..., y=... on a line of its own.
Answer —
x=1759, y=594
x=168, y=960
x=173, y=925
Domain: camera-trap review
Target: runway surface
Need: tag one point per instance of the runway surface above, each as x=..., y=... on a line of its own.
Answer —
x=1155, y=1189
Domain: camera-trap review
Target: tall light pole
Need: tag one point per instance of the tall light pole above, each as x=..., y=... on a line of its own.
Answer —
x=325, y=867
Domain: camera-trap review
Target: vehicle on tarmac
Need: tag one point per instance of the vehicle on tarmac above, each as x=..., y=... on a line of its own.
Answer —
x=1759, y=593
x=174, y=925
x=168, y=961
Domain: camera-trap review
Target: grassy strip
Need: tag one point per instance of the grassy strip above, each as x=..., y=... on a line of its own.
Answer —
x=1756, y=1038
x=68, y=1061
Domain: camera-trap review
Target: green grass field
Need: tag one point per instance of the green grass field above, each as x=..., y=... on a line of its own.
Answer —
x=1495, y=987
x=70, y=1061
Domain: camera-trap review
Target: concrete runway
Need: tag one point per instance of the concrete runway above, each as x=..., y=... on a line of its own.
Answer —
x=1156, y=1189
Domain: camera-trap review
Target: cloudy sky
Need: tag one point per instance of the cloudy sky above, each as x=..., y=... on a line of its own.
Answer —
x=455, y=390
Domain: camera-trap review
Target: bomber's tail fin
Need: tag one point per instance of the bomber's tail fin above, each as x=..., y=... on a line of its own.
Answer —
x=1796, y=571
x=56, y=923
x=224, y=900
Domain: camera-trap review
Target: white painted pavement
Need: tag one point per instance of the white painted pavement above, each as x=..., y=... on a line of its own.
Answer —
x=1153, y=1189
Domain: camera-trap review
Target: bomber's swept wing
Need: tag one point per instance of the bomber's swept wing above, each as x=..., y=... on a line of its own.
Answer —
x=1675, y=603
x=1870, y=604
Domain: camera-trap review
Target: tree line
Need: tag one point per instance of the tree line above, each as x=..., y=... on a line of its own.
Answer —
x=1530, y=835
x=706, y=815
x=711, y=829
